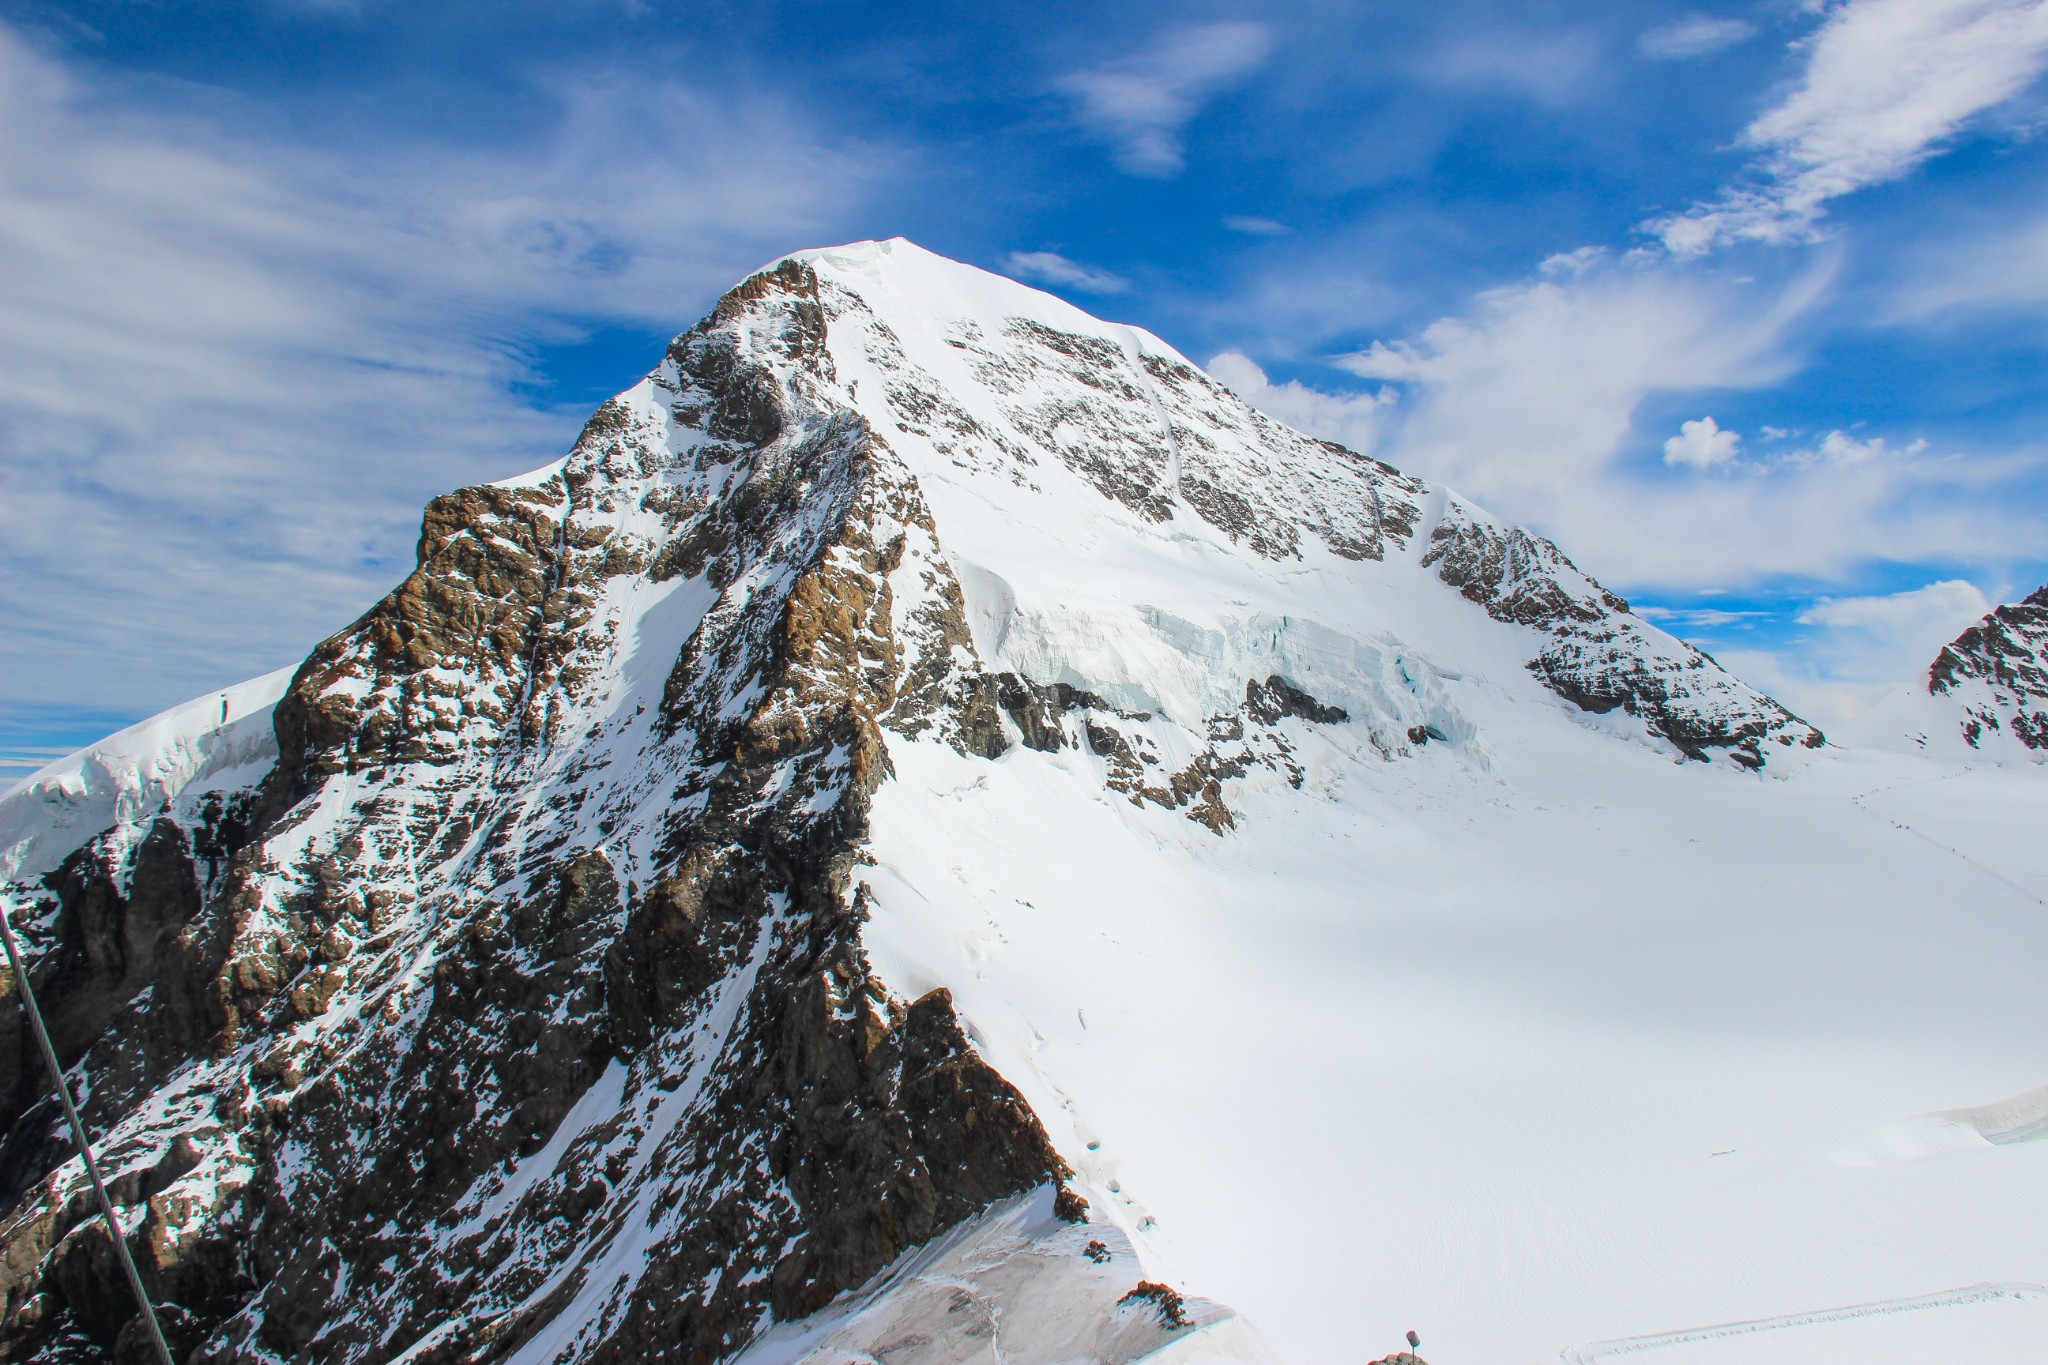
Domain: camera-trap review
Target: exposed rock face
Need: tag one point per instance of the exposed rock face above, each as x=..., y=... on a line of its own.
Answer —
x=1598, y=655
x=1236, y=741
x=1998, y=671
x=110, y=938
x=520, y=1007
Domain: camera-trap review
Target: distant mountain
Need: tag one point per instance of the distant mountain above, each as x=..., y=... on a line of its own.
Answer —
x=1985, y=693
x=1997, y=672
x=553, y=968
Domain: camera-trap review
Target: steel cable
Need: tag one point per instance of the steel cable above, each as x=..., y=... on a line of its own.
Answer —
x=92, y=1168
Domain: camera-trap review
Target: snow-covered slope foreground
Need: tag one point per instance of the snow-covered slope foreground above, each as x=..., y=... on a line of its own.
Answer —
x=1592, y=1049
x=937, y=834
x=1985, y=694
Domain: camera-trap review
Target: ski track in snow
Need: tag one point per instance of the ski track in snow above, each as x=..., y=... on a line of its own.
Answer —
x=1952, y=1298
x=1861, y=800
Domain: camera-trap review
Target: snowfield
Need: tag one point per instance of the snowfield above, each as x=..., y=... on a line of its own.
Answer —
x=1571, y=1055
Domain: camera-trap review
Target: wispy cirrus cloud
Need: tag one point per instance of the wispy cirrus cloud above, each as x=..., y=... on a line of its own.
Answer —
x=1049, y=267
x=231, y=372
x=1355, y=420
x=1257, y=227
x=1693, y=37
x=1142, y=104
x=1886, y=84
x=1997, y=263
x=1549, y=64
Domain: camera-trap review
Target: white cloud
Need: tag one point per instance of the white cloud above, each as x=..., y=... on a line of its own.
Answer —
x=1819, y=520
x=1701, y=444
x=1295, y=303
x=1697, y=618
x=1257, y=227
x=1530, y=406
x=1353, y=420
x=1537, y=391
x=1049, y=267
x=1143, y=103
x=1839, y=447
x=1565, y=265
x=1548, y=64
x=230, y=374
x=2003, y=267
x=1856, y=650
x=1886, y=83
x=1917, y=623
x=1694, y=36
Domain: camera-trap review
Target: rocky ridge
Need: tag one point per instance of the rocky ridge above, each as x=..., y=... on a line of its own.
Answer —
x=1599, y=655
x=1997, y=671
x=512, y=1003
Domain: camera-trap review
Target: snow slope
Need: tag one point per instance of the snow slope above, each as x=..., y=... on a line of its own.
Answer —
x=1576, y=1052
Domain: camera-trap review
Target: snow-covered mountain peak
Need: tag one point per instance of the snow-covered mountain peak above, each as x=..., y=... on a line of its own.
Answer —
x=1015, y=394
x=604, y=961
x=1090, y=483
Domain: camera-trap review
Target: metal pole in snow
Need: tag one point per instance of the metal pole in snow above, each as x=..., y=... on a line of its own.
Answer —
x=92, y=1168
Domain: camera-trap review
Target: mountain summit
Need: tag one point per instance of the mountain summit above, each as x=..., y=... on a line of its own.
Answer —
x=835, y=868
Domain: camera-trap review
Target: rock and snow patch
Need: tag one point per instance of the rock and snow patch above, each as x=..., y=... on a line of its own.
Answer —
x=1152, y=660
x=1017, y=1285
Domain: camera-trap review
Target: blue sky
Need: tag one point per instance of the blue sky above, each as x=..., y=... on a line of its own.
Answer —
x=1742, y=304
